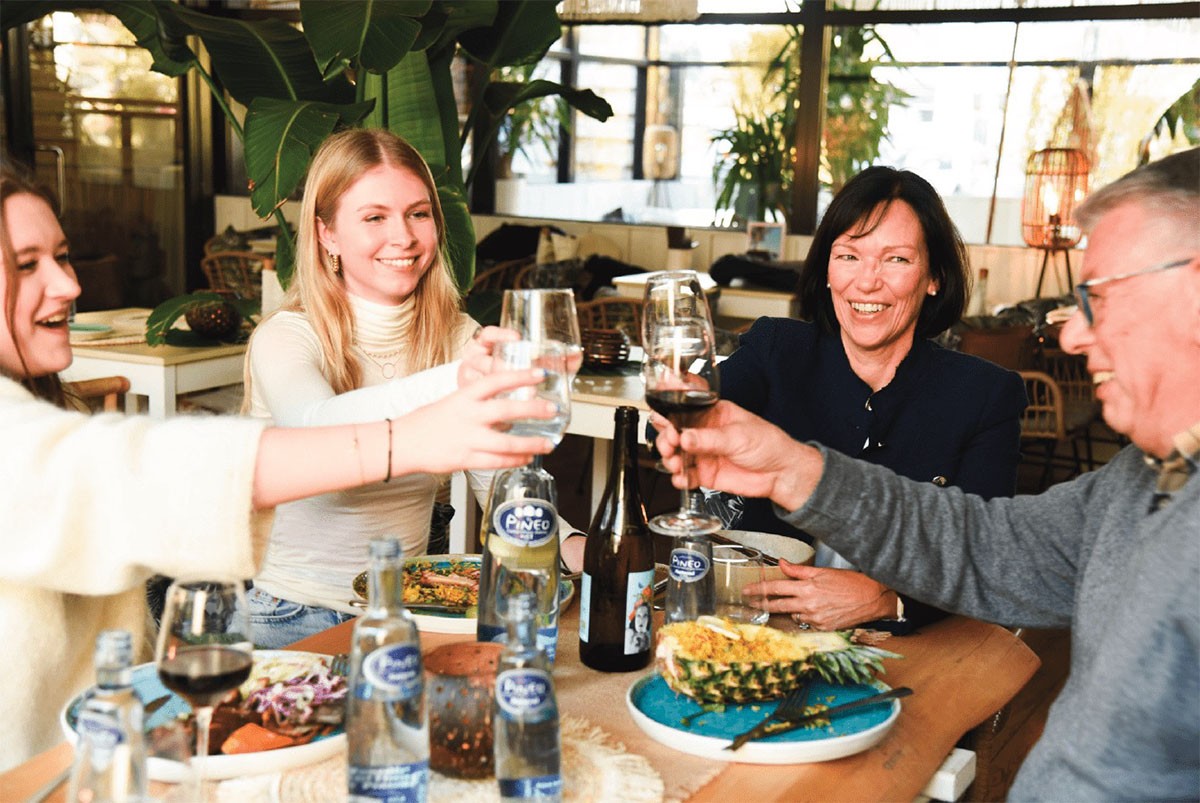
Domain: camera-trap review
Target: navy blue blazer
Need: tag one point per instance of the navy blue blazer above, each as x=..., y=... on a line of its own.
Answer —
x=946, y=417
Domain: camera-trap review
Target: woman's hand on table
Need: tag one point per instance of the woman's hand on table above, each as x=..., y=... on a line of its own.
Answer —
x=826, y=599
x=476, y=357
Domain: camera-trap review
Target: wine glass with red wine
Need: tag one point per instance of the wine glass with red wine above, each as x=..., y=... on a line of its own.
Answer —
x=680, y=373
x=204, y=651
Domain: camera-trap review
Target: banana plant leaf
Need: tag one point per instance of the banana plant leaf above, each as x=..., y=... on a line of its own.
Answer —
x=260, y=58
x=520, y=34
x=373, y=35
x=460, y=234
x=164, y=316
x=281, y=138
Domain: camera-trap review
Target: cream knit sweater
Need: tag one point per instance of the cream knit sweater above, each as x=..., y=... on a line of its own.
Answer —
x=90, y=506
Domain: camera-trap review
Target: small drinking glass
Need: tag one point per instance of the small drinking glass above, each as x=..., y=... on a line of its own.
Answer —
x=735, y=567
x=551, y=357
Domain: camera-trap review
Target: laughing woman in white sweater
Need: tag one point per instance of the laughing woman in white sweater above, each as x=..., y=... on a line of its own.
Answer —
x=89, y=509
x=373, y=303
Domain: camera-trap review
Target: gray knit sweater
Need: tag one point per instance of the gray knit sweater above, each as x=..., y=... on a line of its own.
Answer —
x=1085, y=555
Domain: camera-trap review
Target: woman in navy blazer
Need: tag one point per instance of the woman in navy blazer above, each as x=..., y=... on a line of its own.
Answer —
x=886, y=272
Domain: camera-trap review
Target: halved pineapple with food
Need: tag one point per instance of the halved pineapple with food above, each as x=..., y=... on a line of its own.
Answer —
x=715, y=660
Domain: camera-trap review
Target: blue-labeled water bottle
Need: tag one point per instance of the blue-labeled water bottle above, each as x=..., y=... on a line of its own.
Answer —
x=387, y=726
x=691, y=591
x=520, y=553
x=110, y=754
x=525, y=733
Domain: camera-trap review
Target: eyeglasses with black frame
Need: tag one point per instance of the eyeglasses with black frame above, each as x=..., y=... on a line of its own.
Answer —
x=1083, y=290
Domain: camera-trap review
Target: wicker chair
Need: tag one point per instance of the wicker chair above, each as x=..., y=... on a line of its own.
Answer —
x=236, y=272
x=1049, y=421
x=612, y=312
x=501, y=276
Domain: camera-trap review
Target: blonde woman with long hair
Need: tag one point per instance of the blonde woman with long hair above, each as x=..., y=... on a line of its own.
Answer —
x=369, y=328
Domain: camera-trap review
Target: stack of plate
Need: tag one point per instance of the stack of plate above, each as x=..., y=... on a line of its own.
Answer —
x=604, y=347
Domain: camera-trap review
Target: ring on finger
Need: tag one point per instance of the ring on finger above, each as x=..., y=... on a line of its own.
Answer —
x=803, y=625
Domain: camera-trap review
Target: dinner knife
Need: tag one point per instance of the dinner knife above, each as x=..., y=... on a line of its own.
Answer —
x=771, y=727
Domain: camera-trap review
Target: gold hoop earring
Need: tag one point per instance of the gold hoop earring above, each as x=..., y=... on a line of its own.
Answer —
x=336, y=263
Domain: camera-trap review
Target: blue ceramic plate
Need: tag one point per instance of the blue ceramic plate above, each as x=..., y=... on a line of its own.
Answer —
x=89, y=331
x=660, y=712
x=148, y=687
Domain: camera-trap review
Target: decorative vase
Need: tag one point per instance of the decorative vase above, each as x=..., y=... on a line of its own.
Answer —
x=461, y=679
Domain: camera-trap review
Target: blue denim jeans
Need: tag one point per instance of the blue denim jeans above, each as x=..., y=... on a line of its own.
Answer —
x=276, y=622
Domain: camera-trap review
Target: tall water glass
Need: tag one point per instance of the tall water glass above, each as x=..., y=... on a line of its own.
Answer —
x=551, y=357
x=545, y=314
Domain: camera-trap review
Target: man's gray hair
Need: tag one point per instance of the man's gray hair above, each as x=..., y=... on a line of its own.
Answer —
x=1170, y=186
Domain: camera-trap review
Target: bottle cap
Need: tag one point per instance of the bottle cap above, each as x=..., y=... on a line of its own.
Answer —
x=522, y=606
x=387, y=548
x=114, y=649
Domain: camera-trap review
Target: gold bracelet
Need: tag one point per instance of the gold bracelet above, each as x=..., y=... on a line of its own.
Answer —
x=388, y=478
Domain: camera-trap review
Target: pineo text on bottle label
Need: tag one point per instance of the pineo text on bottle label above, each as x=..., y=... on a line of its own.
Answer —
x=103, y=730
x=688, y=565
x=395, y=783
x=525, y=522
x=542, y=787
x=525, y=693
x=392, y=672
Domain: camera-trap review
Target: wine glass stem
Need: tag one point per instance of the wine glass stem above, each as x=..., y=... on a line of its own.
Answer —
x=204, y=715
x=536, y=462
x=685, y=493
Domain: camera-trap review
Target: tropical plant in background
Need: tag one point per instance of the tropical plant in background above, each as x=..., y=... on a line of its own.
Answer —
x=356, y=62
x=754, y=170
x=530, y=129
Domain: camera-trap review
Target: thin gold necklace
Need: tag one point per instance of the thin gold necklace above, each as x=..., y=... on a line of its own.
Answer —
x=387, y=368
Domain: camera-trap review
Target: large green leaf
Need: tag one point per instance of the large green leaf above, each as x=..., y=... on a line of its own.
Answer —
x=370, y=33
x=460, y=234
x=281, y=137
x=521, y=34
x=158, y=33
x=261, y=58
x=414, y=110
x=447, y=20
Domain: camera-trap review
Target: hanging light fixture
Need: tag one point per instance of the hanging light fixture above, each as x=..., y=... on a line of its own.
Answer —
x=628, y=10
x=1055, y=184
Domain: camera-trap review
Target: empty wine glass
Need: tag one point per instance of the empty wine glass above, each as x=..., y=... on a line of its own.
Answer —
x=545, y=314
x=551, y=357
x=203, y=651
x=681, y=382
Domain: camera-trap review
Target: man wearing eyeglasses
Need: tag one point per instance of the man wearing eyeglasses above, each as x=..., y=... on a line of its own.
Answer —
x=1113, y=554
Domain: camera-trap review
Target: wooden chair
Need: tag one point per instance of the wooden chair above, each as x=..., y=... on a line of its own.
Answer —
x=1045, y=423
x=105, y=393
x=612, y=312
x=237, y=272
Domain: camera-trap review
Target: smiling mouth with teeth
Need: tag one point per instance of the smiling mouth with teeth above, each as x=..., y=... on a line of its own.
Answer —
x=859, y=307
x=54, y=321
x=399, y=263
x=1100, y=377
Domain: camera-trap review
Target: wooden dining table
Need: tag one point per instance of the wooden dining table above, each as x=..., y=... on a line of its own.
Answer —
x=961, y=670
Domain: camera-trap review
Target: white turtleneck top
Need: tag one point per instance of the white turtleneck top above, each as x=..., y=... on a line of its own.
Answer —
x=319, y=544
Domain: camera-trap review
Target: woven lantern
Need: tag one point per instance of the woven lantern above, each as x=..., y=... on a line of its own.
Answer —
x=1055, y=184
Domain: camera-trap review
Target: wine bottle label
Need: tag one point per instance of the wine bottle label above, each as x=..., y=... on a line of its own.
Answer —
x=525, y=694
x=395, y=783
x=585, y=605
x=688, y=565
x=637, y=611
x=392, y=672
x=544, y=787
x=103, y=730
x=525, y=522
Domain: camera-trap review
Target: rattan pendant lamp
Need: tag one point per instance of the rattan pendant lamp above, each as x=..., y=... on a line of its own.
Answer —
x=1056, y=182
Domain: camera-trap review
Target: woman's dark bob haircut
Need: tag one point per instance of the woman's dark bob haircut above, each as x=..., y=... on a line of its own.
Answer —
x=862, y=202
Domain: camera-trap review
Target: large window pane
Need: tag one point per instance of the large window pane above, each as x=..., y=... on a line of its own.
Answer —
x=604, y=151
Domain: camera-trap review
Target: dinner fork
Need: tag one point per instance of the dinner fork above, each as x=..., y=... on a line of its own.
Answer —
x=791, y=707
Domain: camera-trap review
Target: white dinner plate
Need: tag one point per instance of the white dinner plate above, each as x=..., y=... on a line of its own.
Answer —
x=659, y=712
x=462, y=623
x=148, y=687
